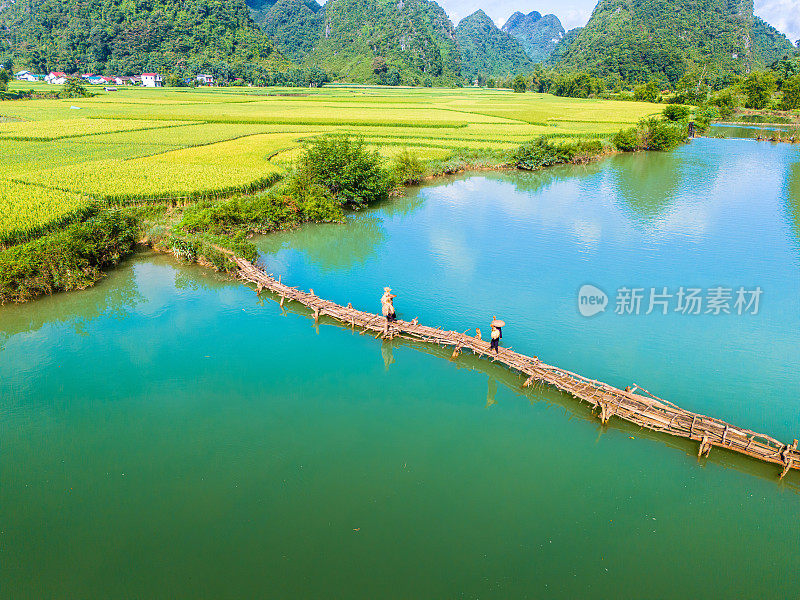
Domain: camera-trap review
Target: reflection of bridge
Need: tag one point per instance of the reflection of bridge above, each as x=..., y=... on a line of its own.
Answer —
x=647, y=411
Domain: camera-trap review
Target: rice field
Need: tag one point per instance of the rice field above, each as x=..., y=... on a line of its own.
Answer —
x=138, y=144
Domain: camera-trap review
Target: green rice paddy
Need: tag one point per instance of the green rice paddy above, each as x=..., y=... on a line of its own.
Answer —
x=138, y=143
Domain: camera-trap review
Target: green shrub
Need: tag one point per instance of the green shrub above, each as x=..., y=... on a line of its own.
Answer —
x=352, y=174
x=542, y=153
x=5, y=77
x=647, y=92
x=408, y=168
x=650, y=134
x=576, y=85
x=676, y=112
x=703, y=116
x=69, y=259
x=758, y=87
x=296, y=202
x=661, y=135
x=626, y=140
x=791, y=93
x=73, y=88
x=519, y=84
x=726, y=103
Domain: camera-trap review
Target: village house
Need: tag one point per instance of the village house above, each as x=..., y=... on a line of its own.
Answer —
x=122, y=80
x=135, y=80
x=152, y=80
x=204, y=79
x=56, y=77
x=26, y=76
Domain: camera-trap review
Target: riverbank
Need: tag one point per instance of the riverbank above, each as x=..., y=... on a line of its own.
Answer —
x=317, y=190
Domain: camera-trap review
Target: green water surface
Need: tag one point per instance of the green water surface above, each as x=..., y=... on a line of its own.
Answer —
x=167, y=434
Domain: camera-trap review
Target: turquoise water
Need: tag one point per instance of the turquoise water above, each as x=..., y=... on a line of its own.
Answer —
x=168, y=434
x=748, y=131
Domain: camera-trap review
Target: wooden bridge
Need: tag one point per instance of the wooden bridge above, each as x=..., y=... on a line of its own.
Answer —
x=646, y=410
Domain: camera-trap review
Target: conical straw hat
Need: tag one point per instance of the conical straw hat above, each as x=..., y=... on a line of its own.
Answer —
x=497, y=322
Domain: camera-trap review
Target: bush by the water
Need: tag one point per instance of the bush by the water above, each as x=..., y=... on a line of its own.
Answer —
x=352, y=174
x=291, y=204
x=542, y=152
x=70, y=259
x=676, y=112
x=408, y=168
x=650, y=134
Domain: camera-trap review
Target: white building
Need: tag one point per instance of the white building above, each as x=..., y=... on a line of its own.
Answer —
x=56, y=77
x=26, y=76
x=204, y=79
x=152, y=80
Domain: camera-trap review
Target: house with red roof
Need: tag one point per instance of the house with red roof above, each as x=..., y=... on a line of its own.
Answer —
x=56, y=77
x=152, y=80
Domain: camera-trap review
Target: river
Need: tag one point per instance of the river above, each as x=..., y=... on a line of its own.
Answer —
x=169, y=434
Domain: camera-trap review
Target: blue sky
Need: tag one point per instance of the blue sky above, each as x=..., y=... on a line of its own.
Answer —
x=783, y=14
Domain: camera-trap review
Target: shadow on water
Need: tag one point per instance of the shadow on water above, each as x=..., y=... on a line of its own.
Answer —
x=111, y=299
x=648, y=184
x=332, y=246
x=573, y=408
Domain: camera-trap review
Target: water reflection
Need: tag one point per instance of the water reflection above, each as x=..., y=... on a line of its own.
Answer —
x=491, y=392
x=648, y=183
x=387, y=353
x=401, y=206
x=113, y=298
x=793, y=200
x=332, y=247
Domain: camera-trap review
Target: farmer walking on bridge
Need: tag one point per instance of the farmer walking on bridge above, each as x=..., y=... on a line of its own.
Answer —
x=497, y=334
x=387, y=307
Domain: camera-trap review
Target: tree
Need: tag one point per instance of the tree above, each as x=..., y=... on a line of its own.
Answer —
x=676, y=112
x=174, y=80
x=791, y=93
x=379, y=65
x=73, y=89
x=5, y=77
x=519, y=84
x=646, y=93
x=758, y=87
x=352, y=174
x=726, y=102
x=692, y=89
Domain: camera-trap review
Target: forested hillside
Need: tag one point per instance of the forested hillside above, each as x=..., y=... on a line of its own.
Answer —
x=386, y=41
x=132, y=36
x=538, y=35
x=294, y=25
x=487, y=50
x=644, y=39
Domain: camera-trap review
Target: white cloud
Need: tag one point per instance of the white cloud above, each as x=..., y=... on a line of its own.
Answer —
x=784, y=15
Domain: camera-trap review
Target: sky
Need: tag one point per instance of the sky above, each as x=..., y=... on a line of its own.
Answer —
x=782, y=14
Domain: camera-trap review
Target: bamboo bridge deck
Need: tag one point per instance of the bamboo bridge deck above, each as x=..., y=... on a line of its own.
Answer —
x=647, y=411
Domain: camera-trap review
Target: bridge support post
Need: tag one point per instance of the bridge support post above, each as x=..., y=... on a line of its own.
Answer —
x=705, y=447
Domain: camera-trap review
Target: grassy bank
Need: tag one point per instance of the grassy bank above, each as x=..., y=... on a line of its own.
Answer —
x=199, y=188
